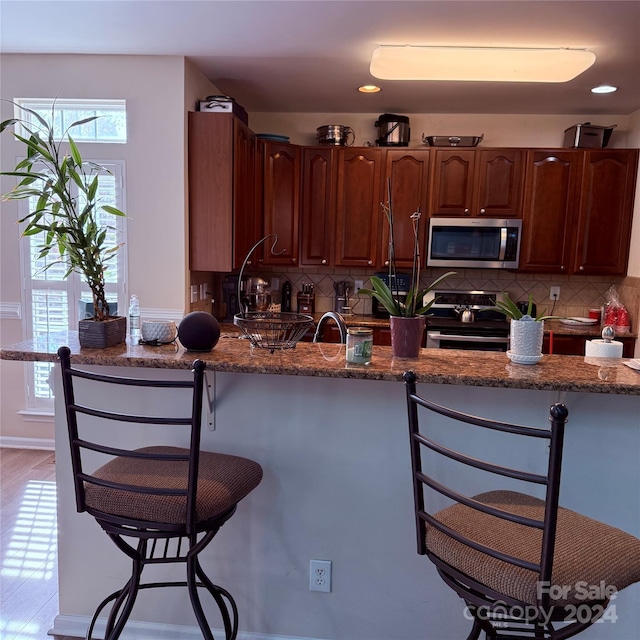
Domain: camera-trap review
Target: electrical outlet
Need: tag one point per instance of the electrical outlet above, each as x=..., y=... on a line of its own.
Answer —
x=320, y=575
x=358, y=284
x=554, y=293
x=194, y=293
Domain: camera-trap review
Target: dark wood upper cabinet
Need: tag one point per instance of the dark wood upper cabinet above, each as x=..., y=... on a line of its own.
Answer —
x=223, y=217
x=280, y=201
x=551, y=200
x=358, y=213
x=407, y=171
x=578, y=211
x=317, y=206
x=470, y=182
x=606, y=211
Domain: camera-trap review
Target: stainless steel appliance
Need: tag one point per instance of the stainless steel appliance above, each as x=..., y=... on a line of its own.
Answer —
x=399, y=287
x=342, y=298
x=465, y=320
x=336, y=134
x=393, y=130
x=474, y=243
x=256, y=294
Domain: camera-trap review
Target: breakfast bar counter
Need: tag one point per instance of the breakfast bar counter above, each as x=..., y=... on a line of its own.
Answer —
x=333, y=442
x=235, y=355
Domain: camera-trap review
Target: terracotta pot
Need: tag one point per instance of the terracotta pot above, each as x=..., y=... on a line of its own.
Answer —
x=406, y=336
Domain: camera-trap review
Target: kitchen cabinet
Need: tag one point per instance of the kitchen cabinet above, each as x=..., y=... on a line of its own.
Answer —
x=606, y=212
x=479, y=183
x=551, y=198
x=381, y=335
x=574, y=345
x=280, y=180
x=578, y=211
x=358, y=214
x=408, y=173
x=317, y=206
x=224, y=220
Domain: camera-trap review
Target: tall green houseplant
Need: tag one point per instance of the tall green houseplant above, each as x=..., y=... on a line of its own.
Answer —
x=52, y=171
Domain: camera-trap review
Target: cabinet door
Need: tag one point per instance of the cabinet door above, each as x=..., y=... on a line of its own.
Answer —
x=281, y=202
x=222, y=212
x=358, y=212
x=452, y=182
x=498, y=186
x=606, y=210
x=317, y=209
x=407, y=172
x=551, y=197
x=247, y=229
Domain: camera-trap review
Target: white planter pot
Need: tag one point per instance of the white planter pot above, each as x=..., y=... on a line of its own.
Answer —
x=526, y=340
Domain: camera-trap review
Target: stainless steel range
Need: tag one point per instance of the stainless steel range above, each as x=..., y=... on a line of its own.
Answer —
x=465, y=320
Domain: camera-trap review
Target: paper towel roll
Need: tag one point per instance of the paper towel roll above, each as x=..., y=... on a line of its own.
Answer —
x=601, y=349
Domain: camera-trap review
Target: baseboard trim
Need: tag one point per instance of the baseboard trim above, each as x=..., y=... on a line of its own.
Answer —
x=15, y=442
x=76, y=627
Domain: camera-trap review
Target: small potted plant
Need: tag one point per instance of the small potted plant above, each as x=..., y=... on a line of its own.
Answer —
x=50, y=173
x=406, y=315
x=526, y=331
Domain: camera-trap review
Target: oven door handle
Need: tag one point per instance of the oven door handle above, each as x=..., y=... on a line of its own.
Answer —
x=437, y=335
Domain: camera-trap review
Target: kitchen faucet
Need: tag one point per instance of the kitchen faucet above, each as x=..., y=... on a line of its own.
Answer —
x=339, y=320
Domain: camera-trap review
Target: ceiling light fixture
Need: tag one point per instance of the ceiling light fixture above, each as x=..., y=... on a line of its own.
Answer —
x=604, y=88
x=369, y=88
x=485, y=64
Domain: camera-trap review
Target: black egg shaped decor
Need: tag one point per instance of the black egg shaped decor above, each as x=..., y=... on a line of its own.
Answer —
x=199, y=331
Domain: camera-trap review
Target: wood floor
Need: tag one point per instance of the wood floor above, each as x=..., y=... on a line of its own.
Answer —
x=28, y=538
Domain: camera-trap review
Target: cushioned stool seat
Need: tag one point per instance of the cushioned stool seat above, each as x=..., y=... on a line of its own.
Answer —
x=587, y=551
x=223, y=480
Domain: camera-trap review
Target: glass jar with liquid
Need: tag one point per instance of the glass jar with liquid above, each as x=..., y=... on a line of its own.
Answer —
x=359, y=345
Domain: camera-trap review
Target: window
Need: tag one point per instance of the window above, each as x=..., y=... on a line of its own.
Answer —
x=54, y=303
x=110, y=126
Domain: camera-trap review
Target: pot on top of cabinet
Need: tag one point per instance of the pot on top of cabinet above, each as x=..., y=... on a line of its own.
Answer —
x=393, y=130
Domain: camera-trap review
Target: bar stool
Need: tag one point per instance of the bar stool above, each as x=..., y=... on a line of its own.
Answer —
x=525, y=567
x=159, y=504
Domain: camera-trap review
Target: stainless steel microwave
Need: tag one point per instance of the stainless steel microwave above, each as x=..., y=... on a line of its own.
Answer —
x=474, y=242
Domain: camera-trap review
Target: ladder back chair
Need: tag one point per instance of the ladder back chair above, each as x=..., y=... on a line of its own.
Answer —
x=158, y=504
x=524, y=566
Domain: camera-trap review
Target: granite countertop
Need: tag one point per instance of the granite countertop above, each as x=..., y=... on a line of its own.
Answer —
x=441, y=366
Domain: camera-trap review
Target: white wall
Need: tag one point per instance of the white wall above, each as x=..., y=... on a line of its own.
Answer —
x=154, y=88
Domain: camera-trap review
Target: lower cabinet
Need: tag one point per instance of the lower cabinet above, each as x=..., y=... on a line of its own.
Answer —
x=574, y=345
x=381, y=335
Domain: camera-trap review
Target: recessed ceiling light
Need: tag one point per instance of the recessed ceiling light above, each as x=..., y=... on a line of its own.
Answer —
x=487, y=64
x=604, y=88
x=369, y=88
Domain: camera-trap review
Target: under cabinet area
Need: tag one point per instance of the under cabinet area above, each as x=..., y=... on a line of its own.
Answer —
x=575, y=345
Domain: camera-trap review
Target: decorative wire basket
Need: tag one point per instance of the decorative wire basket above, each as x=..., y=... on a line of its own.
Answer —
x=271, y=330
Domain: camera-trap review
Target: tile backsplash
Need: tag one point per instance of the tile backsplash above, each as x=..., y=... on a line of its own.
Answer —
x=578, y=294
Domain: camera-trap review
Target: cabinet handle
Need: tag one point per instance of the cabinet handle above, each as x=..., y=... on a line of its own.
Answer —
x=249, y=261
x=582, y=268
x=323, y=262
x=293, y=260
x=386, y=263
x=466, y=210
x=562, y=268
x=370, y=262
x=483, y=211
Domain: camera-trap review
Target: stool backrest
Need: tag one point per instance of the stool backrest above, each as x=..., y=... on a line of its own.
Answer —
x=426, y=480
x=92, y=430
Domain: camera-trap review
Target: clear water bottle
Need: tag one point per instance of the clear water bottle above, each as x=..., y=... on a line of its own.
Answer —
x=134, y=318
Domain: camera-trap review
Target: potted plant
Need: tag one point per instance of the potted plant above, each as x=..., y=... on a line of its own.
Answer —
x=406, y=315
x=50, y=173
x=526, y=331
